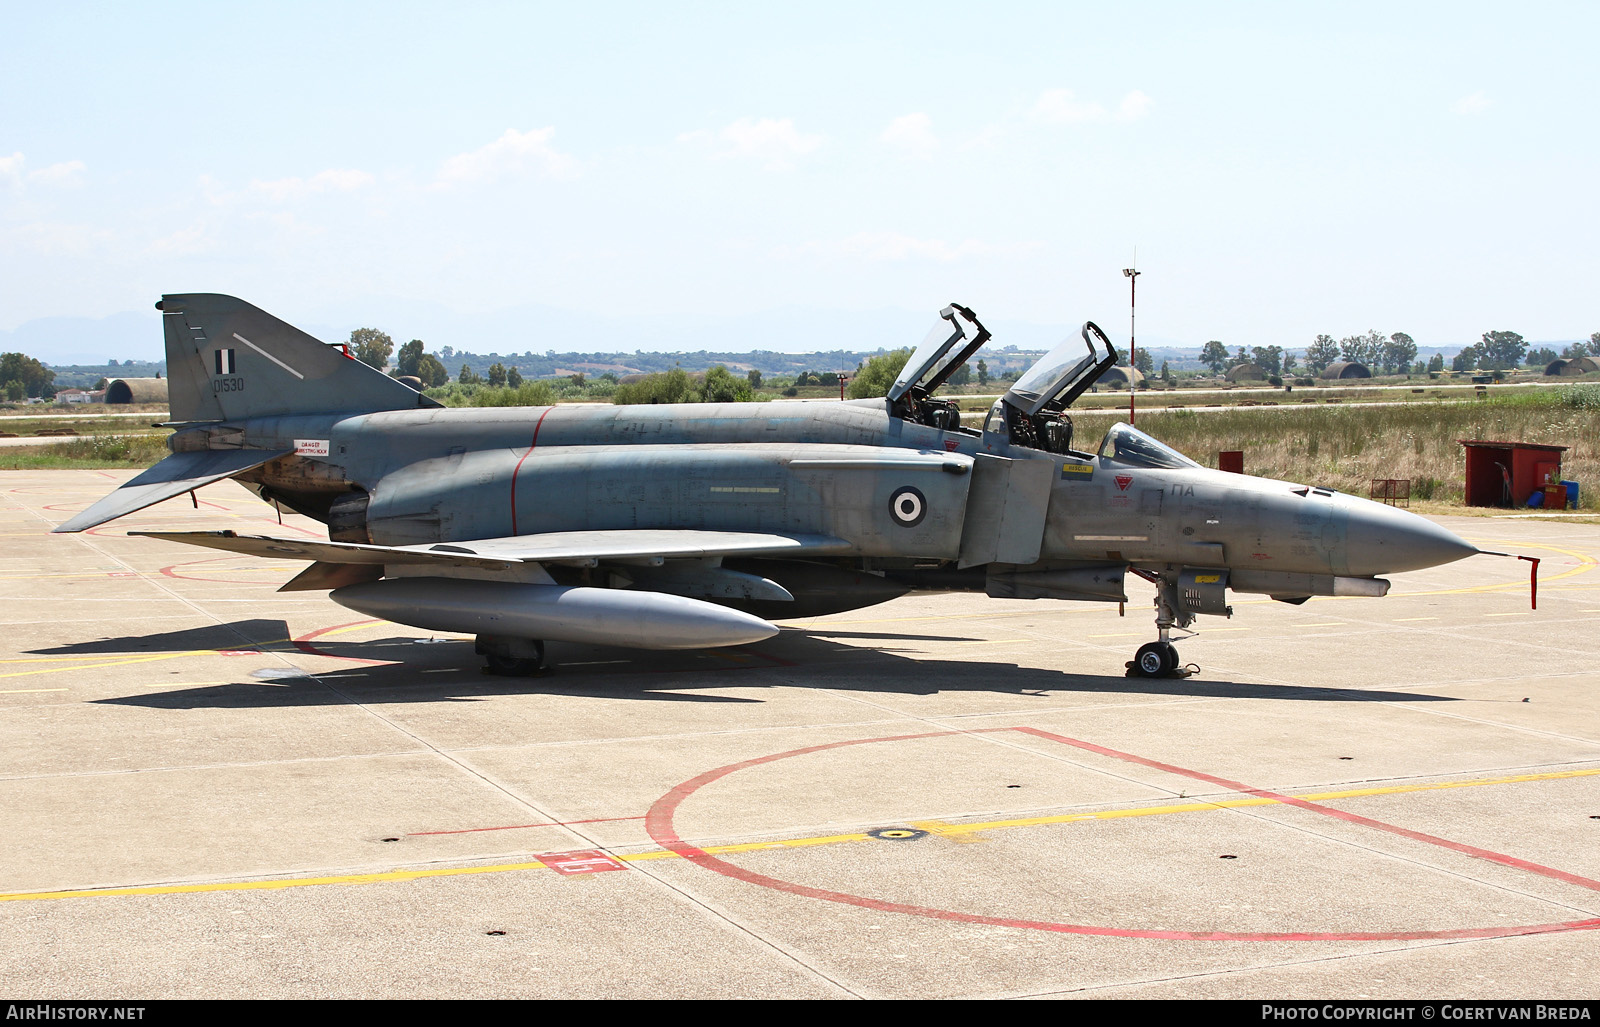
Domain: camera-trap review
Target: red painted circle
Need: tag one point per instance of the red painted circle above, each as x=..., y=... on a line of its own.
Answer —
x=659, y=824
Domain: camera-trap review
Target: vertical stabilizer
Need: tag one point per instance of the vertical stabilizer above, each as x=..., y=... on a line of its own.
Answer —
x=228, y=360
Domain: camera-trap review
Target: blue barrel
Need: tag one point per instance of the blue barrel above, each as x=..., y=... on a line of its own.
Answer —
x=1572, y=494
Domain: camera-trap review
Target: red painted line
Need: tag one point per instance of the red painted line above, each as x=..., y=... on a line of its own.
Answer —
x=171, y=572
x=659, y=824
x=1328, y=811
x=537, y=425
x=519, y=827
x=303, y=643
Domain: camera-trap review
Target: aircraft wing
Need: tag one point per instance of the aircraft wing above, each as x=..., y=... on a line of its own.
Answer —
x=580, y=547
x=177, y=474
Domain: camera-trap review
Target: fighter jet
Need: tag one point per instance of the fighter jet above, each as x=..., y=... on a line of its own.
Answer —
x=696, y=525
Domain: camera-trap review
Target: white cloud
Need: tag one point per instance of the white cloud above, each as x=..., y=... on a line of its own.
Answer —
x=62, y=240
x=1476, y=103
x=773, y=141
x=182, y=242
x=281, y=190
x=13, y=172
x=515, y=153
x=892, y=246
x=1062, y=107
x=912, y=135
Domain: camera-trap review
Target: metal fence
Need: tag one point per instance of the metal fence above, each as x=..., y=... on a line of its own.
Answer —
x=1394, y=491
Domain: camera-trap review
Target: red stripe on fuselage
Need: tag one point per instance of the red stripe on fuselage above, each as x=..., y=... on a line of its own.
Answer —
x=518, y=471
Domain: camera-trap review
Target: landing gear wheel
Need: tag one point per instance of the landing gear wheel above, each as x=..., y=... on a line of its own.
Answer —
x=511, y=657
x=1152, y=660
x=1171, y=657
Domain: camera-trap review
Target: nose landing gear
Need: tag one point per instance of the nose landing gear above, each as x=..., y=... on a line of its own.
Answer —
x=1159, y=659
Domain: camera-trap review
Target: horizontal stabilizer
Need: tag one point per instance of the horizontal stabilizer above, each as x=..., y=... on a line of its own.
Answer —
x=177, y=474
x=501, y=553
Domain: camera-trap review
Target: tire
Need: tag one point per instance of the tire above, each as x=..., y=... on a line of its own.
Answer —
x=1170, y=660
x=1151, y=660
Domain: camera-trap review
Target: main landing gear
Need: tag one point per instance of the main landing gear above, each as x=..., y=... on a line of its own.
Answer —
x=510, y=657
x=1159, y=659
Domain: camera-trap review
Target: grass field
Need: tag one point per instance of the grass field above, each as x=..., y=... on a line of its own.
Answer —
x=1347, y=447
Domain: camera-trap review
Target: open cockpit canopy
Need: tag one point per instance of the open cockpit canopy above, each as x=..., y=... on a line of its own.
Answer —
x=1061, y=375
x=939, y=357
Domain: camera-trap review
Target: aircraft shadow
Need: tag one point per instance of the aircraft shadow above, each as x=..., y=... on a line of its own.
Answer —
x=424, y=671
x=244, y=634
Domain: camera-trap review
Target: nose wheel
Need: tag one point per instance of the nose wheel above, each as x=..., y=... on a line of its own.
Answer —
x=1156, y=660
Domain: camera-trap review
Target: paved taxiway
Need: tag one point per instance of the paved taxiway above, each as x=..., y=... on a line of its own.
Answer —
x=214, y=789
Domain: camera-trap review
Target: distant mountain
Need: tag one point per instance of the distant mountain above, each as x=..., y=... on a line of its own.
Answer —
x=88, y=340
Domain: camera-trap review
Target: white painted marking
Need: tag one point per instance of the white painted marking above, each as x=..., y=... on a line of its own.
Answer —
x=269, y=356
x=1111, y=538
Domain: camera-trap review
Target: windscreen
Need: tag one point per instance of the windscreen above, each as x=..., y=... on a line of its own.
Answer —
x=1128, y=445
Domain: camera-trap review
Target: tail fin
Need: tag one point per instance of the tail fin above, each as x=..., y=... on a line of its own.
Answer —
x=228, y=360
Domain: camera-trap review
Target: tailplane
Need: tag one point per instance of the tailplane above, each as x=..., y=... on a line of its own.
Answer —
x=228, y=360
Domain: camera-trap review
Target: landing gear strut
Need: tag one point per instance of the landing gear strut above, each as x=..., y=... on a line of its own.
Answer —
x=1159, y=659
x=510, y=657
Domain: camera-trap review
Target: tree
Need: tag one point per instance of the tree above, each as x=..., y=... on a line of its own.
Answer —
x=962, y=376
x=1436, y=362
x=1321, y=353
x=19, y=367
x=1269, y=359
x=431, y=371
x=1399, y=352
x=667, y=387
x=1363, y=349
x=720, y=386
x=1215, y=356
x=514, y=378
x=497, y=376
x=15, y=391
x=371, y=347
x=577, y=379
x=1143, y=362
x=1582, y=349
x=410, y=356
x=983, y=373
x=1467, y=359
x=754, y=378
x=468, y=376
x=1544, y=356
x=1166, y=371
x=1288, y=363
x=1502, y=350
x=876, y=376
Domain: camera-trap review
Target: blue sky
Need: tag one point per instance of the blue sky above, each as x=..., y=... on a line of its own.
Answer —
x=1283, y=169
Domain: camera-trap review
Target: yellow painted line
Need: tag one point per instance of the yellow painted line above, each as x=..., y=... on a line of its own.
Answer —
x=1327, y=624
x=999, y=641
x=24, y=691
x=1519, y=613
x=937, y=827
x=111, y=663
x=1403, y=620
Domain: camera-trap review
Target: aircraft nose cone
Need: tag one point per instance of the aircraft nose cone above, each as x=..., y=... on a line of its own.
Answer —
x=1383, y=540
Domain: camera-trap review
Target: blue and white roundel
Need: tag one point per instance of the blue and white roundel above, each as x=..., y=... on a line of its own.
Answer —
x=908, y=506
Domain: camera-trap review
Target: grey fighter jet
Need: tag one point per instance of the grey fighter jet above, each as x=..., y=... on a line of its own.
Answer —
x=684, y=526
